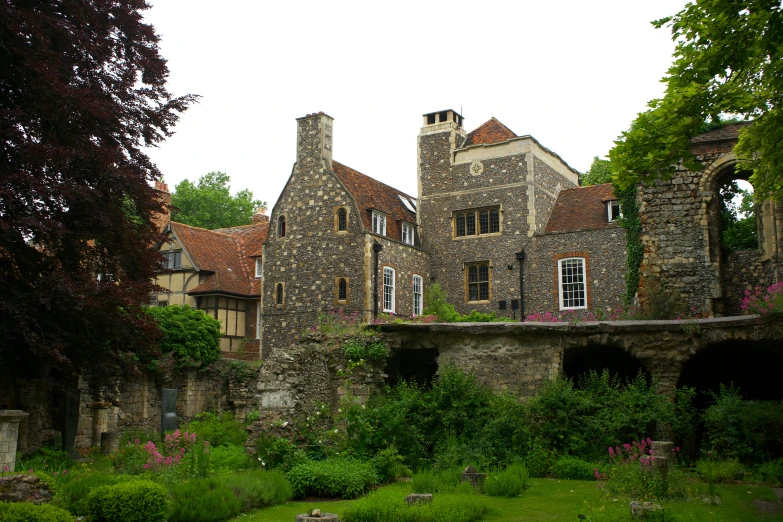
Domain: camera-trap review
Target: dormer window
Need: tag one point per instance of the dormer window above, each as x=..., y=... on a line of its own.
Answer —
x=613, y=210
x=408, y=236
x=259, y=267
x=378, y=223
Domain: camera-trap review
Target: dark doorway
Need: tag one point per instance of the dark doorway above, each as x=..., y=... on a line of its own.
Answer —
x=419, y=366
x=753, y=366
x=618, y=362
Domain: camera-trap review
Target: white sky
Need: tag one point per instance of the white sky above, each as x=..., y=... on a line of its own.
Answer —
x=573, y=74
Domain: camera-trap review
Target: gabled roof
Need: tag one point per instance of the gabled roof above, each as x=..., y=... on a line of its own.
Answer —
x=370, y=194
x=727, y=132
x=491, y=131
x=225, y=255
x=581, y=208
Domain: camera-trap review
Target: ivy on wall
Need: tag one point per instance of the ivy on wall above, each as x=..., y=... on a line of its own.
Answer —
x=632, y=224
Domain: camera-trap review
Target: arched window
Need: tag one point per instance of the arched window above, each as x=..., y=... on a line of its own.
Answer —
x=279, y=294
x=281, y=226
x=342, y=289
x=342, y=220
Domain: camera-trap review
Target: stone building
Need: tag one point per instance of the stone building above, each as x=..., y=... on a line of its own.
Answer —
x=217, y=271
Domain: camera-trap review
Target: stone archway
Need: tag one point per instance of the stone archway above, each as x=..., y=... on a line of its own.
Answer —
x=597, y=357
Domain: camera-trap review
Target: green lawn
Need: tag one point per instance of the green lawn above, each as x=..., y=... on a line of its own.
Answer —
x=562, y=500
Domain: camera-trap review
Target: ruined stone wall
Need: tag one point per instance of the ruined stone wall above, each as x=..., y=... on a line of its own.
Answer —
x=312, y=255
x=741, y=271
x=604, y=252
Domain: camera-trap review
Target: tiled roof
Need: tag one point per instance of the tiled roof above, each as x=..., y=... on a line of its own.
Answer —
x=491, y=131
x=225, y=255
x=371, y=194
x=581, y=208
x=727, y=132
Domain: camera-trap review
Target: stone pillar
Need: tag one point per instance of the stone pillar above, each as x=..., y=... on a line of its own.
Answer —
x=662, y=452
x=100, y=420
x=9, y=433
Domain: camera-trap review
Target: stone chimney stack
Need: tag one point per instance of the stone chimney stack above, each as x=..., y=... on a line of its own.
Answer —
x=314, y=139
x=260, y=217
x=162, y=219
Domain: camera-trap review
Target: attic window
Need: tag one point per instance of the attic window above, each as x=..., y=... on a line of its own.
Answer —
x=407, y=203
x=378, y=223
x=613, y=210
x=259, y=267
x=431, y=119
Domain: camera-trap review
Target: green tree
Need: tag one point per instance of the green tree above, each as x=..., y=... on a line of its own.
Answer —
x=728, y=60
x=190, y=334
x=209, y=204
x=600, y=172
x=738, y=219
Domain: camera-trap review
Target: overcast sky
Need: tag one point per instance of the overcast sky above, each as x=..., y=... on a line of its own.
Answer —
x=573, y=74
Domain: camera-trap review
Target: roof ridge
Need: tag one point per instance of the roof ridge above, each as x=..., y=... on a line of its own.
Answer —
x=203, y=229
x=370, y=177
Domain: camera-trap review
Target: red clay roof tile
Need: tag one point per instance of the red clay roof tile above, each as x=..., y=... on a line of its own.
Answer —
x=371, y=194
x=492, y=131
x=581, y=208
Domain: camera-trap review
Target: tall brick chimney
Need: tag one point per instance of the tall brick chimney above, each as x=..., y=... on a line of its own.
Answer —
x=260, y=217
x=162, y=193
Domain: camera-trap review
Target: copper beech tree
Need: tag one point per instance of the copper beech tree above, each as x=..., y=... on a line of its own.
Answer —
x=82, y=91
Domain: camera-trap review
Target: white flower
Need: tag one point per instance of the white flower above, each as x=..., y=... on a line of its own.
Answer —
x=339, y=410
x=318, y=413
x=335, y=430
x=263, y=463
x=259, y=460
x=362, y=406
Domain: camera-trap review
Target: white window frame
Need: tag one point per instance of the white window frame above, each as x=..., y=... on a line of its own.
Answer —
x=418, y=291
x=389, y=287
x=258, y=320
x=609, y=205
x=561, y=284
x=379, y=223
x=408, y=234
x=259, y=267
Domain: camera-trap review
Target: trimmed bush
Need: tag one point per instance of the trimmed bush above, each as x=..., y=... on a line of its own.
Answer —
x=573, y=468
x=510, y=482
x=135, y=501
x=203, y=500
x=230, y=457
x=332, y=478
x=389, y=506
x=26, y=512
x=74, y=494
x=258, y=488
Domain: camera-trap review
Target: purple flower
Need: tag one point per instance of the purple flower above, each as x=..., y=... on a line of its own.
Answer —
x=5, y=468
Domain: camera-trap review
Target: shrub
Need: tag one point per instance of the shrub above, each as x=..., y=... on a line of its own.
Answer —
x=447, y=481
x=635, y=475
x=510, y=482
x=438, y=305
x=368, y=348
x=343, y=478
x=389, y=506
x=278, y=452
x=26, y=512
x=258, y=488
x=138, y=434
x=219, y=430
x=230, y=457
x=723, y=471
x=73, y=495
x=572, y=468
x=389, y=465
x=135, y=501
x=189, y=334
x=770, y=471
x=538, y=461
x=203, y=500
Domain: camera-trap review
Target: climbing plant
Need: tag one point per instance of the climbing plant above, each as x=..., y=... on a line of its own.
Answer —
x=632, y=224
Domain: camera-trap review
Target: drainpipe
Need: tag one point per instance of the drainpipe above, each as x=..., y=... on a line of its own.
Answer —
x=376, y=248
x=521, y=259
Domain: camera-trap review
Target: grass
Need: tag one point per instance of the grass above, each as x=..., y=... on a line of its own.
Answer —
x=555, y=500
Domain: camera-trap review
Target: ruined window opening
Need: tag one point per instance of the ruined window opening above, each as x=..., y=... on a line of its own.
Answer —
x=573, y=292
x=737, y=219
x=342, y=220
x=279, y=294
x=342, y=289
x=407, y=234
x=379, y=223
x=431, y=119
x=418, y=285
x=281, y=226
x=478, y=282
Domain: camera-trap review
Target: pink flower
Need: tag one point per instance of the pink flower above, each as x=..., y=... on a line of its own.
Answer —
x=5, y=468
x=611, y=451
x=56, y=473
x=147, y=465
x=30, y=470
x=649, y=440
x=677, y=449
x=65, y=472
